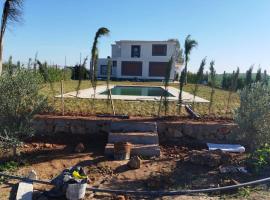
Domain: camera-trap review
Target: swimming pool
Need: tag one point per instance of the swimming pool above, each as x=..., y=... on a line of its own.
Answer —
x=138, y=91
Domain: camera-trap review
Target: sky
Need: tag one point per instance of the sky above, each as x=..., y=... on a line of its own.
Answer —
x=234, y=33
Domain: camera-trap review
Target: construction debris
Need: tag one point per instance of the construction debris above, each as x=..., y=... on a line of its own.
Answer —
x=236, y=148
x=25, y=191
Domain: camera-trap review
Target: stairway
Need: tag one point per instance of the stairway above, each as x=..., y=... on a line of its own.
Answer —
x=142, y=135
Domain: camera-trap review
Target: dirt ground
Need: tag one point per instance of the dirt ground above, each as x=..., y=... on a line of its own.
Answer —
x=48, y=156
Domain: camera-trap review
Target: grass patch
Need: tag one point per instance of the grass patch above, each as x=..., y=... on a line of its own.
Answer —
x=136, y=108
x=9, y=166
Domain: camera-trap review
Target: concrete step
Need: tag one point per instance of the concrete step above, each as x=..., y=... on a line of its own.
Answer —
x=148, y=150
x=134, y=137
x=133, y=126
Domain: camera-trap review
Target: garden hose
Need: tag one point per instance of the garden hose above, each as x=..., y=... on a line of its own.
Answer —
x=150, y=193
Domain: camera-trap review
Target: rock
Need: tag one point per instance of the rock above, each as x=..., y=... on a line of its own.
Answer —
x=32, y=175
x=209, y=158
x=79, y=148
x=134, y=163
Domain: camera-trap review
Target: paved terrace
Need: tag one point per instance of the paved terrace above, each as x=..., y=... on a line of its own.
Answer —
x=89, y=94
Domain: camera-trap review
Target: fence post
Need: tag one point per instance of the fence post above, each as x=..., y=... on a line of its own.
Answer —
x=62, y=97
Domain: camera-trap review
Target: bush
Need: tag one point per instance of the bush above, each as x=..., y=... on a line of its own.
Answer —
x=19, y=102
x=253, y=116
x=260, y=159
x=56, y=74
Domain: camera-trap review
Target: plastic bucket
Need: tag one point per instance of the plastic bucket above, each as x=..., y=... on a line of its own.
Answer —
x=122, y=151
x=76, y=191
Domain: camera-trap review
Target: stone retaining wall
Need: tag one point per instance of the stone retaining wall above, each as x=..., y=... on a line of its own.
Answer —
x=168, y=131
x=202, y=131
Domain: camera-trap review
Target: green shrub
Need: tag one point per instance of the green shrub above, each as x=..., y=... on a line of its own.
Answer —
x=19, y=102
x=253, y=116
x=260, y=159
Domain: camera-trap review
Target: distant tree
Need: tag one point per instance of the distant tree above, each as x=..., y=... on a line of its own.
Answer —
x=212, y=84
x=164, y=97
x=240, y=83
x=10, y=66
x=81, y=75
x=265, y=78
x=189, y=45
x=233, y=86
x=181, y=85
x=199, y=78
x=224, y=80
x=18, y=65
x=12, y=12
x=248, y=80
x=259, y=75
x=94, y=56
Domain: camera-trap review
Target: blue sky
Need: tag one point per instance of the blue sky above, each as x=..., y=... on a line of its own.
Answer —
x=232, y=32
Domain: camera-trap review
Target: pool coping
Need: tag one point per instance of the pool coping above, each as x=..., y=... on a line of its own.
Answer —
x=89, y=94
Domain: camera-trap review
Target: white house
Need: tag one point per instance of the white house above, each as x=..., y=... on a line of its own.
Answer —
x=140, y=60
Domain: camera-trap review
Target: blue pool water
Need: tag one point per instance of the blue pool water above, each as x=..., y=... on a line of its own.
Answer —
x=138, y=91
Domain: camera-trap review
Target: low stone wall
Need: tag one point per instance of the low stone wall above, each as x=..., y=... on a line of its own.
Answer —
x=202, y=131
x=74, y=125
x=169, y=132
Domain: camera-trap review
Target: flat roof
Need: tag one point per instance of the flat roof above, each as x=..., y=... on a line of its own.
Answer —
x=145, y=41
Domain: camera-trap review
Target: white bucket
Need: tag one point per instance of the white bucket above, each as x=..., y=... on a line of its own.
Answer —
x=76, y=191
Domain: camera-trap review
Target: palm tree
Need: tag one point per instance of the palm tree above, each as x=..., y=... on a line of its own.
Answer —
x=189, y=45
x=12, y=12
x=94, y=56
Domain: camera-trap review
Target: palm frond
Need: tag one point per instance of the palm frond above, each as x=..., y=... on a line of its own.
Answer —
x=189, y=45
x=12, y=12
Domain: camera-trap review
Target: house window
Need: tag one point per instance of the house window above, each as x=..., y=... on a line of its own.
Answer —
x=135, y=51
x=159, y=50
x=114, y=64
x=131, y=68
x=157, y=69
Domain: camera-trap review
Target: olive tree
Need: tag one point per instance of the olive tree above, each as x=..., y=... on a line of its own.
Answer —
x=20, y=101
x=253, y=116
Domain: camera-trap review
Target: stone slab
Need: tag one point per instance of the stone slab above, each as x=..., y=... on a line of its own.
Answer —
x=137, y=150
x=134, y=137
x=25, y=191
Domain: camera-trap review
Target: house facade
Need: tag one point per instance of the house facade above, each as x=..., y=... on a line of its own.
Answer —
x=145, y=60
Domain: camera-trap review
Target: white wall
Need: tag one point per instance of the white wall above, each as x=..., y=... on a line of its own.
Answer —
x=145, y=57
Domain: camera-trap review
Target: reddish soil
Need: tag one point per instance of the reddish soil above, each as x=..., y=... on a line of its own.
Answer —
x=144, y=119
x=48, y=156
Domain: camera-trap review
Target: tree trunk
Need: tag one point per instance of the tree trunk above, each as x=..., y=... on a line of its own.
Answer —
x=1, y=56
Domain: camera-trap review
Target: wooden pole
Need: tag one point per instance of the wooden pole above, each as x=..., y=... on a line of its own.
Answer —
x=62, y=97
x=110, y=92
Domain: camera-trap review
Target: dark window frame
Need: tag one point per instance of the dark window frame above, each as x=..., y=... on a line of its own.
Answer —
x=125, y=72
x=114, y=64
x=133, y=53
x=160, y=54
x=154, y=73
x=104, y=70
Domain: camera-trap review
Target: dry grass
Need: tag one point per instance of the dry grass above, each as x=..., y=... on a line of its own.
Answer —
x=136, y=108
